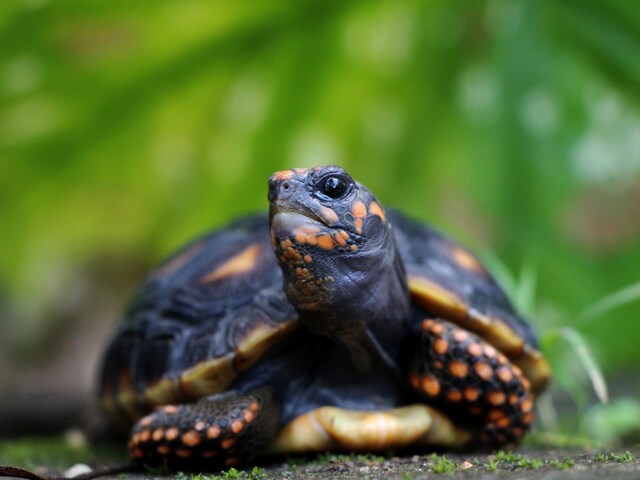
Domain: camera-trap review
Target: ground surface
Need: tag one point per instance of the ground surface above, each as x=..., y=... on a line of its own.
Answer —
x=51, y=456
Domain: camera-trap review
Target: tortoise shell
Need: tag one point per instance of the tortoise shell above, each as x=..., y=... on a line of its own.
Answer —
x=319, y=323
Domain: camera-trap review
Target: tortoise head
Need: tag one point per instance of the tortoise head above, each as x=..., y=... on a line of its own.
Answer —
x=337, y=252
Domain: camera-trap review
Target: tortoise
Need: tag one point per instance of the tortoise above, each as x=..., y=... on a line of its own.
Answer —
x=365, y=331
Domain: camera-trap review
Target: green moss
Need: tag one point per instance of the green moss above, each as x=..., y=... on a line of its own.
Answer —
x=562, y=464
x=626, y=457
x=442, y=464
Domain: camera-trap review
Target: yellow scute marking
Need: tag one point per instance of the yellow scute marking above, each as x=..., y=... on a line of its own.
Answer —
x=208, y=377
x=243, y=262
x=434, y=297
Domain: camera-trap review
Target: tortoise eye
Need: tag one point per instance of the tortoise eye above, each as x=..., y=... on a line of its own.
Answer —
x=335, y=187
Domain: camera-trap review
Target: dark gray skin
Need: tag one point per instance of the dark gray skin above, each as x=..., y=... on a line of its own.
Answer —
x=366, y=313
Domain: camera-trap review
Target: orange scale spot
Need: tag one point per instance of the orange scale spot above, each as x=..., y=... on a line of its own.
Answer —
x=183, y=453
x=343, y=234
x=494, y=415
x=503, y=422
x=430, y=386
x=254, y=406
x=504, y=374
x=209, y=453
x=213, y=432
x=353, y=248
x=170, y=409
x=157, y=435
x=517, y=431
x=248, y=416
x=471, y=394
x=307, y=259
x=301, y=238
x=526, y=383
x=527, y=419
x=144, y=436
x=163, y=449
x=437, y=328
x=454, y=396
x=137, y=453
x=146, y=421
x=441, y=346
x=339, y=240
x=171, y=434
x=461, y=335
x=475, y=410
x=312, y=240
x=483, y=370
x=513, y=399
x=458, y=368
x=283, y=245
x=526, y=406
x=228, y=443
x=328, y=215
x=237, y=426
x=438, y=365
x=191, y=438
x=414, y=381
x=489, y=351
x=135, y=439
x=496, y=398
x=426, y=324
x=199, y=426
x=474, y=349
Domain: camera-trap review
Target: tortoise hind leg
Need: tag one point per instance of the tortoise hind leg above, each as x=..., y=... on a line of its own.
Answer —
x=466, y=376
x=222, y=429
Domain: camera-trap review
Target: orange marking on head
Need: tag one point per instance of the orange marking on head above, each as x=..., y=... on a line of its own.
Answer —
x=171, y=434
x=441, y=346
x=209, y=453
x=454, y=395
x=307, y=259
x=359, y=225
x=339, y=240
x=504, y=374
x=359, y=210
x=328, y=215
x=183, y=453
x=213, y=432
x=496, y=397
x=191, y=438
x=471, y=394
x=254, y=406
x=461, y=335
x=483, y=370
x=376, y=209
x=228, y=443
x=458, y=368
x=248, y=416
x=282, y=175
x=312, y=239
x=237, y=426
x=431, y=386
x=301, y=237
x=144, y=436
x=163, y=449
x=474, y=349
x=243, y=262
x=437, y=328
x=325, y=242
x=157, y=435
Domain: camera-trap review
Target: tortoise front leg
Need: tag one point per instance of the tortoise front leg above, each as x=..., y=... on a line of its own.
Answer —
x=466, y=376
x=223, y=429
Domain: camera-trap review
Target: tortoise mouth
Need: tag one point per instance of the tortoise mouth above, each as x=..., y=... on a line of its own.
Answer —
x=285, y=223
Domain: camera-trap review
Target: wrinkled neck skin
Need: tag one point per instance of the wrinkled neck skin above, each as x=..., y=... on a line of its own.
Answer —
x=360, y=301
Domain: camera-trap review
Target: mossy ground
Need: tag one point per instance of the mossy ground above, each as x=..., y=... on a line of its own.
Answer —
x=56, y=454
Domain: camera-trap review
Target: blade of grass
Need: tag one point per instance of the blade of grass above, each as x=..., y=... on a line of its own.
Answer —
x=605, y=305
x=579, y=345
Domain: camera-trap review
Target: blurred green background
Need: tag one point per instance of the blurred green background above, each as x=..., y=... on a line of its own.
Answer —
x=127, y=128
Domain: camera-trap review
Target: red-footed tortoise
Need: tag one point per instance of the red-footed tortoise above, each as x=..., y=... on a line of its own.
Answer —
x=366, y=331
